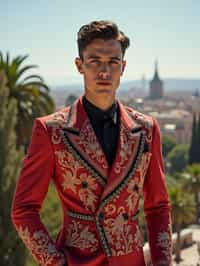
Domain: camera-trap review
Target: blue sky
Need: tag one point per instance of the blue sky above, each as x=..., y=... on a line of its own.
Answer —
x=46, y=30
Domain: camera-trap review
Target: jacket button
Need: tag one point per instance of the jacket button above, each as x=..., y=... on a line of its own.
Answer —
x=84, y=184
x=136, y=188
x=101, y=215
x=125, y=215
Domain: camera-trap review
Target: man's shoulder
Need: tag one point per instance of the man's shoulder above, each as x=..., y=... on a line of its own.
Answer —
x=140, y=118
x=55, y=119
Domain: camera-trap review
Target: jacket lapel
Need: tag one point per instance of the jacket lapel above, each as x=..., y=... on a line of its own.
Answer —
x=80, y=137
x=129, y=150
x=81, y=140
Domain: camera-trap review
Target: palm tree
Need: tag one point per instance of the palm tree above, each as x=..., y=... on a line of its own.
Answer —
x=191, y=182
x=30, y=91
x=183, y=211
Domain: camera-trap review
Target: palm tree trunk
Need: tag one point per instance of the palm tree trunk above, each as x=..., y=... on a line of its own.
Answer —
x=178, y=244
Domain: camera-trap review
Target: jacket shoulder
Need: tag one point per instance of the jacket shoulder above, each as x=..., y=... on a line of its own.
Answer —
x=55, y=120
x=144, y=120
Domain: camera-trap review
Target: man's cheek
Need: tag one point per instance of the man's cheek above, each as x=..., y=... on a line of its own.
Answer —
x=89, y=67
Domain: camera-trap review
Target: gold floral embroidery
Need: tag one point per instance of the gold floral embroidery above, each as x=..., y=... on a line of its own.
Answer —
x=147, y=122
x=135, y=186
x=110, y=209
x=144, y=120
x=57, y=122
x=87, y=191
x=134, y=189
x=144, y=163
x=40, y=246
x=120, y=235
x=69, y=168
x=165, y=243
x=90, y=145
x=127, y=141
x=82, y=183
x=79, y=236
x=138, y=239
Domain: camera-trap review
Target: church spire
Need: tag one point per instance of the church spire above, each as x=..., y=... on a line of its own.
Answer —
x=156, y=76
x=156, y=85
x=156, y=64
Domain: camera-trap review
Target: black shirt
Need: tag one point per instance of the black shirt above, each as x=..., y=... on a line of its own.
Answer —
x=105, y=125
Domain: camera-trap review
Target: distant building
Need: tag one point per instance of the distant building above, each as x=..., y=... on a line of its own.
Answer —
x=156, y=85
x=176, y=123
x=196, y=93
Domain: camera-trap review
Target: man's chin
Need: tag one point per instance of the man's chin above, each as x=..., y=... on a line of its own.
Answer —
x=103, y=91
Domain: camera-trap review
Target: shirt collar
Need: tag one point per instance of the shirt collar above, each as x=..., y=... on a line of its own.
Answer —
x=96, y=113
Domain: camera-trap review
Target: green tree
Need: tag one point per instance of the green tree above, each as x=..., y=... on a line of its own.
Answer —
x=178, y=158
x=183, y=213
x=198, y=141
x=191, y=182
x=12, y=251
x=70, y=99
x=194, y=142
x=51, y=213
x=30, y=92
x=168, y=143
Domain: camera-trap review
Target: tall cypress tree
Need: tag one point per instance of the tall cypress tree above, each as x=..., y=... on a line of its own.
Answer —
x=198, y=141
x=12, y=251
x=193, y=148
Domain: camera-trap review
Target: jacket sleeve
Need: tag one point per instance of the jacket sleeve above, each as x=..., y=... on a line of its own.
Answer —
x=157, y=206
x=31, y=189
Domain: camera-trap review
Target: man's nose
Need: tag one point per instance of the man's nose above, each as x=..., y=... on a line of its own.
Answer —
x=104, y=72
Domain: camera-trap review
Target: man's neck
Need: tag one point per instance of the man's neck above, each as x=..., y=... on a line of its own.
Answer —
x=103, y=103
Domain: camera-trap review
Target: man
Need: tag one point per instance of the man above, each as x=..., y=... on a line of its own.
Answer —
x=101, y=156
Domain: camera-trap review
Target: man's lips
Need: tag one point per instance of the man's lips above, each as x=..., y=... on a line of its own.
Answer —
x=103, y=83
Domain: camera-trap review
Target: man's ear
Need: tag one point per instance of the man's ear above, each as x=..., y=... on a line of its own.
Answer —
x=123, y=66
x=79, y=64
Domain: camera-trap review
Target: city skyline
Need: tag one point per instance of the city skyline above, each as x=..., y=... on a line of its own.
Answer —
x=46, y=30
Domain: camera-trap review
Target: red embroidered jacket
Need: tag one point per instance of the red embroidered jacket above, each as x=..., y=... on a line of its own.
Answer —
x=100, y=204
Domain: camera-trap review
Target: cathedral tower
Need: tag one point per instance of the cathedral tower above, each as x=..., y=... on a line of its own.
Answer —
x=156, y=85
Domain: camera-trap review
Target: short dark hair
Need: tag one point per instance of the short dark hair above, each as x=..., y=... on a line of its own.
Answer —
x=102, y=29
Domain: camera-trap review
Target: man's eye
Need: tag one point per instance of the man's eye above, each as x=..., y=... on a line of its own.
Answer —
x=114, y=62
x=94, y=61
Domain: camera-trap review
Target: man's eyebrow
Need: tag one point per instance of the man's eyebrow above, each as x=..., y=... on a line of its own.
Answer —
x=93, y=57
x=99, y=57
x=115, y=58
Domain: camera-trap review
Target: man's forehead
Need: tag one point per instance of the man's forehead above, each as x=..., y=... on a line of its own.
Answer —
x=104, y=47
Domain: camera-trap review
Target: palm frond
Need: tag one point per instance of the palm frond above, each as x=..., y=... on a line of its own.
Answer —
x=30, y=92
x=37, y=83
x=7, y=58
x=33, y=77
x=19, y=59
x=24, y=69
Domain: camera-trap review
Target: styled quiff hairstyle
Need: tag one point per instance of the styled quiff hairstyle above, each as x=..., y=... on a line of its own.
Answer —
x=102, y=29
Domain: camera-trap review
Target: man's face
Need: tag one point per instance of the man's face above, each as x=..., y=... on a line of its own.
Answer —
x=102, y=66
